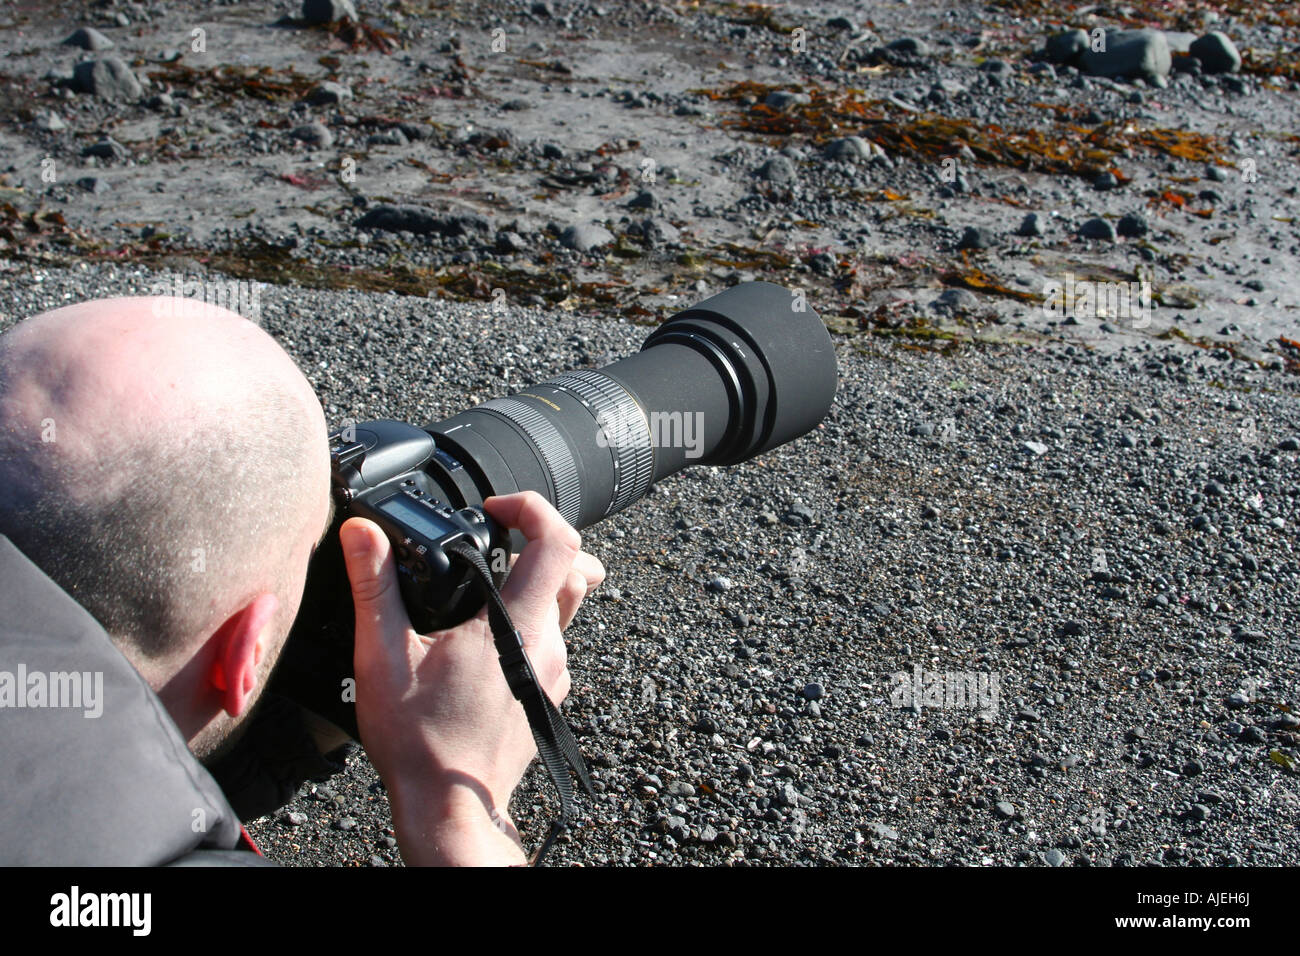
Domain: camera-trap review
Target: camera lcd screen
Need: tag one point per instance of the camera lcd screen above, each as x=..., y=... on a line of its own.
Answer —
x=420, y=519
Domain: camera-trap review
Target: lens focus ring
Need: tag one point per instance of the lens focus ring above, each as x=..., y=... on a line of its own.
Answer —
x=615, y=410
x=554, y=451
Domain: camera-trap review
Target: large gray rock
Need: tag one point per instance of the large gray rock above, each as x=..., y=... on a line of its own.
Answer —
x=421, y=221
x=586, y=236
x=109, y=78
x=327, y=11
x=1217, y=53
x=1066, y=47
x=88, y=38
x=1179, y=42
x=1143, y=53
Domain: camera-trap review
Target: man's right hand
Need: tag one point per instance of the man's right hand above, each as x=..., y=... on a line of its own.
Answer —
x=435, y=714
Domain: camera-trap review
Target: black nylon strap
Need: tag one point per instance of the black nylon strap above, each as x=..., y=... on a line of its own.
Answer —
x=555, y=741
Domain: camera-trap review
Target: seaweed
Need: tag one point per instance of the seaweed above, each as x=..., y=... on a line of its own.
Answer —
x=1070, y=149
x=261, y=83
x=969, y=277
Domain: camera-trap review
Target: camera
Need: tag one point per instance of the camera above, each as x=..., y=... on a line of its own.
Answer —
x=740, y=373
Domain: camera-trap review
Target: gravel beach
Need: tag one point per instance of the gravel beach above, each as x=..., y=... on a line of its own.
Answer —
x=1106, y=543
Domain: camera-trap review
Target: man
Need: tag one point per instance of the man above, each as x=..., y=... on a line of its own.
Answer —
x=164, y=479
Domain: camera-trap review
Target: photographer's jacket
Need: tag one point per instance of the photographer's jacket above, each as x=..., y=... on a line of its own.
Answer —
x=93, y=771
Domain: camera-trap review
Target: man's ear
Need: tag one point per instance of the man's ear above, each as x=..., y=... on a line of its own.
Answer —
x=239, y=645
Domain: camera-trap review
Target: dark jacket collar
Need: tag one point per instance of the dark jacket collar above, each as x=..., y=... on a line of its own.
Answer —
x=121, y=788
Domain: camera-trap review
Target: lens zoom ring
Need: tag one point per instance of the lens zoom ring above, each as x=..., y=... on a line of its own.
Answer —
x=611, y=404
x=554, y=450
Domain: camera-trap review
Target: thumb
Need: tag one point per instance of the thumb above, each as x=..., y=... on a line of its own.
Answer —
x=373, y=576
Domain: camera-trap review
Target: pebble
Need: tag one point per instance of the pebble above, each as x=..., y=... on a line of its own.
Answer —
x=586, y=237
x=1097, y=229
x=327, y=11
x=778, y=169
x=108, y=78
x=976, y=237
x=88, y=38
x=316, y=135
x=1217, y=53
x=1132, y=225
x=1031, y=225
x=853, y=149
x=329, y=93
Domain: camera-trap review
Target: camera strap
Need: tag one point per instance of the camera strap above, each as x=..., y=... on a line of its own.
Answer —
x=555, y=741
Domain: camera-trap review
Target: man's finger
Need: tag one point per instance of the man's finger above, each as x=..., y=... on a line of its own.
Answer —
x=570, y=596
x=589, y=566
x=373, y=578
x=544, y=563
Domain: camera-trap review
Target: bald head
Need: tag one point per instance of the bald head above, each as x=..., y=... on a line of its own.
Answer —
x=164, y=458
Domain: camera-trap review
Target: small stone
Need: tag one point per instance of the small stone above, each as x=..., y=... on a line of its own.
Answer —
x=586, y=237
x=881, y=832
x=1105, y=181
x=1031, y=225
x=1133, y=225
x=1097, y=229
x=719, y=583
x=345, y=823
x=1035, y=448
x=853, y=149
x=813, y=691
x=1217, y=53
x=644, y=199
x=784, y=99
x=329, y=93
x=50, y=121
x=957, y=300
x=1199, y=812
x=294, y=818
x=316, y=135
x=975, y=237
x=109, y=78
x=94, y=184
x=778, y=169
x=106, y=148
x=88, y=38
x=1065, y=47
x=909, y=46
x=1005, y=810
x=1054, y=857
x=327, y=11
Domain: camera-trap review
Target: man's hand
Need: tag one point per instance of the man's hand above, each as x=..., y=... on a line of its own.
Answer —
x=435, y=714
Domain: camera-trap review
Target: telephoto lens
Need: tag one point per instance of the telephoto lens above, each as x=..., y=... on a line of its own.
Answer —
x=730, y=378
